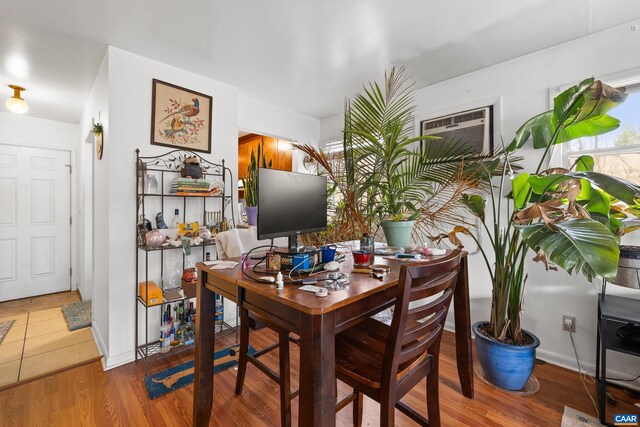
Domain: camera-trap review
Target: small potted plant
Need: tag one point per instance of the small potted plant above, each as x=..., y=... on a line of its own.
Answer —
x=570, y=217
x=250, y=183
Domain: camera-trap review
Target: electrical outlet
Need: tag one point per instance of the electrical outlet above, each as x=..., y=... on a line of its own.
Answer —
x=568, y=323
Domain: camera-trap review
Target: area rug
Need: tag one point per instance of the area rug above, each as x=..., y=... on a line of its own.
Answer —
x=4, y=328
x=179, y=376
x=77, y=314
x=573, y=418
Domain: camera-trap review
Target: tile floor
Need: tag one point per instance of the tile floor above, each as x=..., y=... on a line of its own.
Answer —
x=39, y=341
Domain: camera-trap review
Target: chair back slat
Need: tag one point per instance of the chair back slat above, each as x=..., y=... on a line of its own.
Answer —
x=414, y=330
x=420, y=312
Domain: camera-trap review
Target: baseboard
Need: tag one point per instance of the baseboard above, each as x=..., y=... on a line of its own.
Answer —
x=587, y=367
x=102, y=347
x=119, y=360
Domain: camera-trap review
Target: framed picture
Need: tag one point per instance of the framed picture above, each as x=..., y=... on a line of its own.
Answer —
x=180, y=118
x=472, y=127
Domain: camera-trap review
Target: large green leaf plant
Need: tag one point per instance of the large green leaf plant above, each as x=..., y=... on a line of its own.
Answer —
x=571, y=218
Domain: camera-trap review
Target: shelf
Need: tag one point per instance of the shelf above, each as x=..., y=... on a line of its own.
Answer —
x=616, y=344
x=177, y=196
x=150, y=353
x=170, y=248
x=141, y=301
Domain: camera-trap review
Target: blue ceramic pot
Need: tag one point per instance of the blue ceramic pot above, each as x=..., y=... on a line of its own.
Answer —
x=506, y=365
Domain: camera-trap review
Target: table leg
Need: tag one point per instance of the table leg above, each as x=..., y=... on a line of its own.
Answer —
x=205, y=339
x=317, y=370
x=464, y=357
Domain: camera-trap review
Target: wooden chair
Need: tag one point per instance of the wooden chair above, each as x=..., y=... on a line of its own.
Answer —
x=283, y=377
x=386, y=362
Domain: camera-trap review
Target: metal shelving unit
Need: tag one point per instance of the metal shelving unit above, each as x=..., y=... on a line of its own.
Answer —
x=167, y=167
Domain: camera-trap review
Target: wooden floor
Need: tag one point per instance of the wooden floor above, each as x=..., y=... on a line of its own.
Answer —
x=39, y=341
x=42, y=302
x=87, y=396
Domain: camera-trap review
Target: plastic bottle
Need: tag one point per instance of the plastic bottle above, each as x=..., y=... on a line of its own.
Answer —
x=176, y=219
x=165, y=332
x=219, y=314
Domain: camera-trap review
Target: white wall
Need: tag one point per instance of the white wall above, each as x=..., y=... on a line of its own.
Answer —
x=129, y=112
x=524, y=84
x=30, y=131
x=93, y=205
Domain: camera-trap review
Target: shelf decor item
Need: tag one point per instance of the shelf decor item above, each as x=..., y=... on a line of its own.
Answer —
x=97, y=133
x=572, y=218
x=180, y=117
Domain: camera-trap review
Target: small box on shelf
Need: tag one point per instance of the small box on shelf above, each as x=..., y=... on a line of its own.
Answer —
x=152, y=295
x=189, y=288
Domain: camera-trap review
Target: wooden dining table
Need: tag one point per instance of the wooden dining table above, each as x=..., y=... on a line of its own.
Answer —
x=316, y=320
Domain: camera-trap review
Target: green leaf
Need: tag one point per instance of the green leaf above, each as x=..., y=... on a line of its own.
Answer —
x=584, y=164
x=598, y=202
x=579, y=111
x=484, y=169
x=475, y=204
x=619, y=188
x=521, y=193
x=587, y=128
x=582, y=244
x=567, y=103
x=542, y=184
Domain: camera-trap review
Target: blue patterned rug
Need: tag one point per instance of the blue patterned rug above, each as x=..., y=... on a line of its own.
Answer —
x=180, y=376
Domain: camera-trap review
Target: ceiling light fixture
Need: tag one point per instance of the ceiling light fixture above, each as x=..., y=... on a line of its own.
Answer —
x=16, y=103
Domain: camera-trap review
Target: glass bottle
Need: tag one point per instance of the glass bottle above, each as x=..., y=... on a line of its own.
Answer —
x=367, y=245
x=176, y=219
x=151, y=184
x=188, y=333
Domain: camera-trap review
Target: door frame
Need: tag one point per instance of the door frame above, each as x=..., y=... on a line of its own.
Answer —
x=72, y=198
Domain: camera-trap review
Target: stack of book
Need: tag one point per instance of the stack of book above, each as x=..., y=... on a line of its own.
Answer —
x=190, y=187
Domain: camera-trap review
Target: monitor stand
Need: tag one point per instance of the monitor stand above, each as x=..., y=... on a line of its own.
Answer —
x=292, y=248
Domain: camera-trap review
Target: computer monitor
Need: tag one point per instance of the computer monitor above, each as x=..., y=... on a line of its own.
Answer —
x=290, y=203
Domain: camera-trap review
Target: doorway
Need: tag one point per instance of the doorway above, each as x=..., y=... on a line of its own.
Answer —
x=35, y=221
x=276, y=150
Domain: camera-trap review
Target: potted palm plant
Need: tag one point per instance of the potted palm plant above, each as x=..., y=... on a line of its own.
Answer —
x=394, y=173
x=250, y=183
x=571, y=218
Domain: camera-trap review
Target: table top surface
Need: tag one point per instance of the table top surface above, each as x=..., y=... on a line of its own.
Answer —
x=620, y=308
x=360, y=285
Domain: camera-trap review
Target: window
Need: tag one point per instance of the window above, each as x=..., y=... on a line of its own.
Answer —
x=616, y=153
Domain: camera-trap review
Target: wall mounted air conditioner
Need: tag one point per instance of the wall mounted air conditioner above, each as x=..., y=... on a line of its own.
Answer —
x=472, y=127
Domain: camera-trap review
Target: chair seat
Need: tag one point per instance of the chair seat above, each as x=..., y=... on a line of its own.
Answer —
x=360, y=353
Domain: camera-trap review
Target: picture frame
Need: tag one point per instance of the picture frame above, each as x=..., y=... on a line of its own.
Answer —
x=473, y=127
x=181, y=118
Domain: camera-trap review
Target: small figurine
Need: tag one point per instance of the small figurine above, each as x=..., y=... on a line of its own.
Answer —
x=191, y=168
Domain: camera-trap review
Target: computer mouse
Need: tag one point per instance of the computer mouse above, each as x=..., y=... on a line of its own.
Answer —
x=332, y=266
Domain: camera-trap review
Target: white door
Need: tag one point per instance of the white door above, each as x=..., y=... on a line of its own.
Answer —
x=35, y=221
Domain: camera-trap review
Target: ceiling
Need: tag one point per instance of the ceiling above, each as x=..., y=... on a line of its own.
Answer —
x=300, y=55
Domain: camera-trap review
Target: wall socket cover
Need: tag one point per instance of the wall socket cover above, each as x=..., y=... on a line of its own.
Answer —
x=571, y=320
